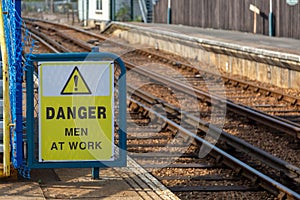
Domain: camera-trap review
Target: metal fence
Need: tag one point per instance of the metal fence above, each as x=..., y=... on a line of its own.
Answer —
x=232, y=15
x=38, y=6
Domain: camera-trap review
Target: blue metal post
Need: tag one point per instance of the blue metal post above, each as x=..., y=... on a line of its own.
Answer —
x=95, y=173
x=122, y=113
x=95, y=170
x=29, y=113
x=19, y=102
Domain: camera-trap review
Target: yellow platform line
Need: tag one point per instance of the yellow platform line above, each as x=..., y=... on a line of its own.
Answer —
x=6, y=103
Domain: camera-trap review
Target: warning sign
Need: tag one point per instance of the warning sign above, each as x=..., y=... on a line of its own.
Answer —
x=75, y=84
x=76, y=111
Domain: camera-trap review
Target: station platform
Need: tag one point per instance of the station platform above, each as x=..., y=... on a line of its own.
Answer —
x=243, y=39
x=131, y=182
x=269, y=60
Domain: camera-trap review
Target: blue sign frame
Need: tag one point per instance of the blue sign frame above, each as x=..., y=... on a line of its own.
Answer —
x=32, y=162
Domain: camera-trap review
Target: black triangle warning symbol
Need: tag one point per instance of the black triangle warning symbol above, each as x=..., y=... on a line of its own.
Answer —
x=75, y=84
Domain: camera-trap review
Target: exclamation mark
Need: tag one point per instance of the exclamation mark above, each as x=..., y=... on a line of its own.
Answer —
x=76, y=82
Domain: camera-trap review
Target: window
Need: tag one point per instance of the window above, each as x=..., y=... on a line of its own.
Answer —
x=99, y=5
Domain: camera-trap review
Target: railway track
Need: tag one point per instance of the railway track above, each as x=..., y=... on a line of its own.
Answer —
x=282, y=192
x=180, y=170
x=274, y=106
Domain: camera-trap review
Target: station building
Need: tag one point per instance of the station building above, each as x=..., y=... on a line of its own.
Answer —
x=95, y=11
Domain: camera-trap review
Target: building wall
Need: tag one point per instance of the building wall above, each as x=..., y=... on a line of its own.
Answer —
x=104, y=15
x=91, y=12
x=81, y=8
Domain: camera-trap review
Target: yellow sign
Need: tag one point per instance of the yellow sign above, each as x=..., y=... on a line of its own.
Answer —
x=76, y=111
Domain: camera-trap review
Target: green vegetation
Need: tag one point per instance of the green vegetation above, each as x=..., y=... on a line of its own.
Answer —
x=124, y=13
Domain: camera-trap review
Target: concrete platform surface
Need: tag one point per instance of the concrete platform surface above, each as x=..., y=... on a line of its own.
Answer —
x=279, y=44
x=269, y=60
x=130, y=182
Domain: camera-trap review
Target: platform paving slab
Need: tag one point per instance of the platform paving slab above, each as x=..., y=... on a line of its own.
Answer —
x=11, y=190
x=131, y=182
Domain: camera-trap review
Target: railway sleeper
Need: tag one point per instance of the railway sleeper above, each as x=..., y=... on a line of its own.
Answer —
x=221, y=188
x=141, y=130
x=290, y=176
x=75, y=41
x=201, y=178
x=240, y=171
x=182, y=165
x=155, y=145
x=152, y=155
x=139, y=137
x=254, y=179
x=290, y=180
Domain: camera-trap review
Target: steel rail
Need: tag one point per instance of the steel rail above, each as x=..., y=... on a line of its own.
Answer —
x=79, y=43
x=65, y=36
x=84, y=45
x=42, y=41
x=50, y=41
x=31, y=21
x=288, y=98
x=287, y=169
x=264, y=181
x=258, y=116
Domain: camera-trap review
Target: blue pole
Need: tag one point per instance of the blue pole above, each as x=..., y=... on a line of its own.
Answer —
x=30, y=113
x=95, y=170
x=271, y=20
x=19, y=100
x=271, y=24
